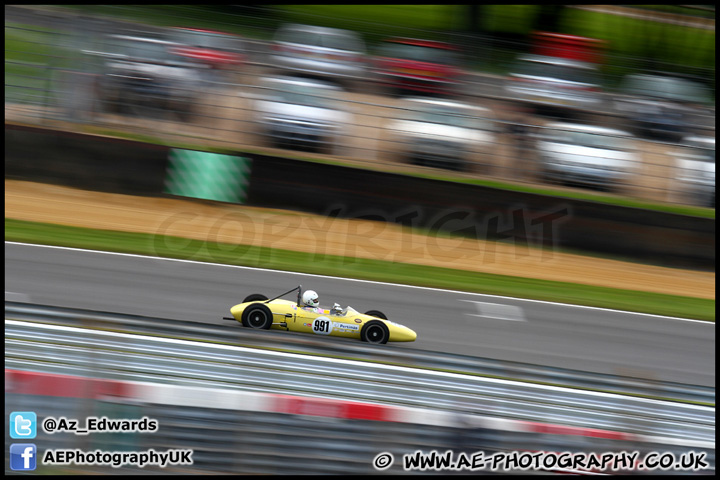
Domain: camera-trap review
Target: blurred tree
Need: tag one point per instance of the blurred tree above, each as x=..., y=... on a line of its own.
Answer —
x=245, y=9
x=659, y=35
x=548, y=18
x=262, y=18
x=474, y=17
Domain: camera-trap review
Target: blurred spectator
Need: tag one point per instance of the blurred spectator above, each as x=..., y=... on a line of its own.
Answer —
x=520, y=130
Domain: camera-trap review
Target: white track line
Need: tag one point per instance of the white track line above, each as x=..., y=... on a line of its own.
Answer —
x=497, y=311
x=712, y=323
x=17, y=297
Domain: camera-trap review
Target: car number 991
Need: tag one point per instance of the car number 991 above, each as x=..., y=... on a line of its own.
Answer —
x=322, y=325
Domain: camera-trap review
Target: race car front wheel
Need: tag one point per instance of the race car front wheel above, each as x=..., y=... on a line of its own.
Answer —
x=375, y=332
x=258, y=316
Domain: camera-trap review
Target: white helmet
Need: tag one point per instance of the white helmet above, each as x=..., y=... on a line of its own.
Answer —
x=310, y=298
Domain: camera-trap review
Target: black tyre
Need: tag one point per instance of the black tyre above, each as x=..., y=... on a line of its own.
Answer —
x=257, y=316
x=375, y=332
x=255, y=297
x=377, y=314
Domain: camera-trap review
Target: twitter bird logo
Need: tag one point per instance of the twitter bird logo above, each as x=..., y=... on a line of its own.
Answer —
x=23, y=425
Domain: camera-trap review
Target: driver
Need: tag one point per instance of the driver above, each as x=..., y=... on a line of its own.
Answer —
x=310, y=299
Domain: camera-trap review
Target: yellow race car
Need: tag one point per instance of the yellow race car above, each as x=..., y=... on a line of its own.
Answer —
x=305, y=315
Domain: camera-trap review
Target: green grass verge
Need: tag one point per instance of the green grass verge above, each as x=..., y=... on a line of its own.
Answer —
x=385, y=271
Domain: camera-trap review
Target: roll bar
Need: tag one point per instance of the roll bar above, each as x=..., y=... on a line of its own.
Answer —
x=299, y=295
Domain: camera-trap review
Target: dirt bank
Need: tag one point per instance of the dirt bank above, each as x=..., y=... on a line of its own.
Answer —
x=316, y=234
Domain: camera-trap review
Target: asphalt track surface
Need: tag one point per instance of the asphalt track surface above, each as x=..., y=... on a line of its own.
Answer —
x=589, y=339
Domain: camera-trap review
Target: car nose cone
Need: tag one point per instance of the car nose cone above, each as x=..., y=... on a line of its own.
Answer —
x=236, y=311
x=403, y=334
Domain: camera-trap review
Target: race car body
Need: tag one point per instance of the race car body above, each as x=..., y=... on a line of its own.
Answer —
x=258, y=312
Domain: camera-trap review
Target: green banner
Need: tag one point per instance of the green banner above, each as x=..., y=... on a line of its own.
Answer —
x=210, y=176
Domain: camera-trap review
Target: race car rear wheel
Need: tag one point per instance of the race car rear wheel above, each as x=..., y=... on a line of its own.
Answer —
x=375, y=332
x=258, y=316
x=255, y=297
x=376, y=313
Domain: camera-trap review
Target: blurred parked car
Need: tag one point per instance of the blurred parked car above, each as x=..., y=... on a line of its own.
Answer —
x=221, y=52
x=136, y=73
x=573, y=47
x=321, y=52
x=302, y=114
x=443, y=133
x=662, y=106
x=555, y=86
x=696, y=170
x=418, y=65
x=586, y=154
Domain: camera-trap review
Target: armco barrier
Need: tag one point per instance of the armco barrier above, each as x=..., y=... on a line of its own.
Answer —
x=101, y=163
x=358, y=350
x=128, y=357
x=233, y=431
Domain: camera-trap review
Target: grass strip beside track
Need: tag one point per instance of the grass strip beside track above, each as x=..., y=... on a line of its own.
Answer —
x=376, y=270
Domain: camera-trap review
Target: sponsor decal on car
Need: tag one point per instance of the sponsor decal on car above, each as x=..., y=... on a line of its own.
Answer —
x=346, y=327
x=357, y=320
x=316, y=310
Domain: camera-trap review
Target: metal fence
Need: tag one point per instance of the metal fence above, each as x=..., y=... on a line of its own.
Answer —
x=254, y=439
x=60, y=71
x=114, y=355
x=358, y=351
x=241, y=442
